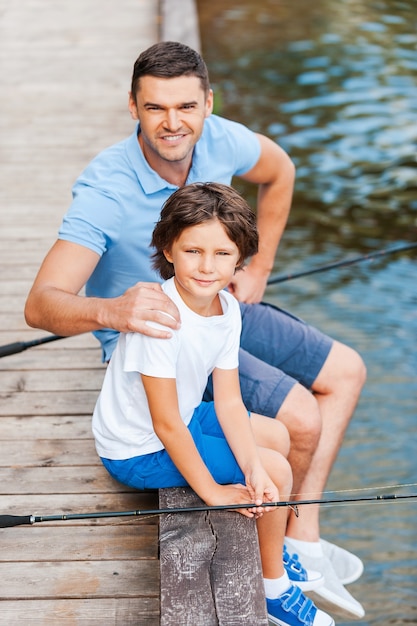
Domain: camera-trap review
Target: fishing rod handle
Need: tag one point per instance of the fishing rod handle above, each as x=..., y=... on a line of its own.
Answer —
x=7, y=521
x=12, y=348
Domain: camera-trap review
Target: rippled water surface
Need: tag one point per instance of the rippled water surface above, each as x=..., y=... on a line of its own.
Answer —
x=335, y=84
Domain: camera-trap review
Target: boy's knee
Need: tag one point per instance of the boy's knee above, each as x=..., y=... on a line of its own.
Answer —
x=301, y=415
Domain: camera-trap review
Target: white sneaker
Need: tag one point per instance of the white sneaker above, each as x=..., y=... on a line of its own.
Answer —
x=347, y=566
x=331, y=596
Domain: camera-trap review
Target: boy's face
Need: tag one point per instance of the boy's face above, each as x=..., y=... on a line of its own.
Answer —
x=171, y=112
x=205, y=260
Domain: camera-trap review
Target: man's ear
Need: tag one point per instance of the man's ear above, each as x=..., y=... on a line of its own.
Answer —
x=132, y=107
x=209, y=103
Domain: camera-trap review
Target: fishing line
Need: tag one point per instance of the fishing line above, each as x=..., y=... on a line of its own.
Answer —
x=20, y=346
x=312, y=494
x=7, y=521
x=273, y=280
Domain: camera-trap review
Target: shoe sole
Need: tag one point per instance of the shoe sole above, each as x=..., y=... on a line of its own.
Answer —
x=278, y=622
x=326, y=546
x=331, y=603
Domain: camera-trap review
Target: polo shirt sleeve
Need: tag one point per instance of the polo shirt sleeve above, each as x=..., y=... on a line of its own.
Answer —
x=247, y=147
x=94, y=218
x=231, y=148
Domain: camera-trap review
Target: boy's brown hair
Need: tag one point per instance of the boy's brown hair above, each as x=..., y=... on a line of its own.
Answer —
x=198, y=203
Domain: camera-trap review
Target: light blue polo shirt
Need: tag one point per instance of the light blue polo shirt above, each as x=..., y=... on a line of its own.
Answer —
x=118, y=198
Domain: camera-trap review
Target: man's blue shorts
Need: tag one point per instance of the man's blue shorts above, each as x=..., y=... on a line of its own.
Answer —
x=156, y=470
x=277, y=351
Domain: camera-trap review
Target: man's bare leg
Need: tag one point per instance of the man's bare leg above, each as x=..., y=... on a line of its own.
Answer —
x=336, y=392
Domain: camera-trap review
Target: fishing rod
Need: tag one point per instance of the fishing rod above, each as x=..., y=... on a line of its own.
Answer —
x=20, y=346
x=7, y=521
x=330, y=266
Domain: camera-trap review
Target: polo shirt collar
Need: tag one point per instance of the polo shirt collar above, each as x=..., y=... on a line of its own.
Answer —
x=150, y=180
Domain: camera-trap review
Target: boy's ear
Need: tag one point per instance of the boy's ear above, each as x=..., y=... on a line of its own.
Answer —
x=167, y=255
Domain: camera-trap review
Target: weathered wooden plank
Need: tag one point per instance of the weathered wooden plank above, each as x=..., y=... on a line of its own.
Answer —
x=59, y=355
x=48, y=402
x=17, y=287
x=85, y=340
x=93, y=563
x=94, y=480
x=85, y=612
x=50, y=453
x=57, y=380
x=107, y=543
x=59, y=503
x=27, y=271
x=210, y=566
x=13, y=304
x=79, y=579
x=45, y=427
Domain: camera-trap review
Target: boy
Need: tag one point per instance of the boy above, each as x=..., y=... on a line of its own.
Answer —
x=151, y=426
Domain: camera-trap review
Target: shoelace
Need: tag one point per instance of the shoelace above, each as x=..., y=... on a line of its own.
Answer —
x=299, y=605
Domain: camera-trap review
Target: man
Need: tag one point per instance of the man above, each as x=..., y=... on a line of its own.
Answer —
x=288, y=369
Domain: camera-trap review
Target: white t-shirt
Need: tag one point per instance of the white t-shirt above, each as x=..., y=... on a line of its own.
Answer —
x=122, y=424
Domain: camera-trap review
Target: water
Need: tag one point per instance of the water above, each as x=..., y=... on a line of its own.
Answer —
x=335, y=84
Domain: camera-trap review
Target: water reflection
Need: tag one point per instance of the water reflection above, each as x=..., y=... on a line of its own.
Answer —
x=335, y=84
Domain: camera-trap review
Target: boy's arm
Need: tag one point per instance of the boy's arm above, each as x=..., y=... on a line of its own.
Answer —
x=54, y=304
x=235, y=422
x=177, y=440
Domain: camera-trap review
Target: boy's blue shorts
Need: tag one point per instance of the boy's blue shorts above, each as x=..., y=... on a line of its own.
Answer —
x=156, y=470
x=277, y=351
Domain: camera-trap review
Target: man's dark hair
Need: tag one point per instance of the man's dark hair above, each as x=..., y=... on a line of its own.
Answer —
x=198, y=203
x=169, y=59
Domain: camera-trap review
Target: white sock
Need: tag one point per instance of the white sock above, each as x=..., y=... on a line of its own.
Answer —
x=309, y=548
x=275, y=587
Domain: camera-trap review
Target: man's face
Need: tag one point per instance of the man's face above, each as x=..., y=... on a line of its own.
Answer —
x=171, y=112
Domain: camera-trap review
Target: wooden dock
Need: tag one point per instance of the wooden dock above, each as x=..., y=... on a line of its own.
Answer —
x=64, y=78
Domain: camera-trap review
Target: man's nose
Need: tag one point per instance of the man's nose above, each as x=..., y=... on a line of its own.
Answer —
x=172, y=120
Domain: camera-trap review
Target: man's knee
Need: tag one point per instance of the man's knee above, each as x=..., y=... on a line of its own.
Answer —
x=344, y=368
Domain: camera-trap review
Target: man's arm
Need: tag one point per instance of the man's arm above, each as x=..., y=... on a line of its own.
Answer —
x=54, y=304
x=274, y=173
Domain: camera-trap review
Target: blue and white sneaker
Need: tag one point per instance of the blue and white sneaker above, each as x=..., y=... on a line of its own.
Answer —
x=306, y=579
x=292, y=608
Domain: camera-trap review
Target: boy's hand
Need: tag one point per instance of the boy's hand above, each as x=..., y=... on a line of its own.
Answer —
x=234, y=494
x=262, y=488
